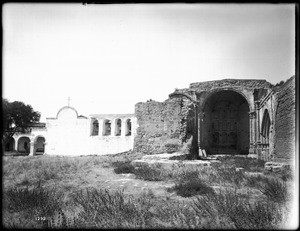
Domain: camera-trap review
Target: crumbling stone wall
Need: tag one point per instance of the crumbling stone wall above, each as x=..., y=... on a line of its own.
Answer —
x=162, y=123
x=285, y=122
x=243, y=83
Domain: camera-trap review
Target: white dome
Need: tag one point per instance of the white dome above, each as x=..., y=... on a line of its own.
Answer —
x=67, y=113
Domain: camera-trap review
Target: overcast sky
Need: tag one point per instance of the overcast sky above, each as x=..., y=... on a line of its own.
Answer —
x=106, y=58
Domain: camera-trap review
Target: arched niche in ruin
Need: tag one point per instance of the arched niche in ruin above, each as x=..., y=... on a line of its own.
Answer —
x=225, y=123
x=265, y=129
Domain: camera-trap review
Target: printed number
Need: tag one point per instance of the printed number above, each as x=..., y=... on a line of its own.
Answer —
x=40, y=218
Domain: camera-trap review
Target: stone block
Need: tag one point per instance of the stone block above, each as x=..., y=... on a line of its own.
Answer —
x=172, y=164
x=277, y=166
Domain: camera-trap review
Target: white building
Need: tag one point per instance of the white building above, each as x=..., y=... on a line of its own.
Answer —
x=70, y=134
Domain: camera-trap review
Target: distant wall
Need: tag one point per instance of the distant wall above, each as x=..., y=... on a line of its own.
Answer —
x=285, y=122
x=160, y=123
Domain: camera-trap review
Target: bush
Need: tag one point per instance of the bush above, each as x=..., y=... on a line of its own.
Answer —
x=189, y=184
x=123, y=167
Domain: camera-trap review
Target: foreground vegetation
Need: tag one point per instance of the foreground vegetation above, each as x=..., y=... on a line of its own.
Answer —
x=59, y=192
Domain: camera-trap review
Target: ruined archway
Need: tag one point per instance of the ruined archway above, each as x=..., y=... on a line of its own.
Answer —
x=225, y=123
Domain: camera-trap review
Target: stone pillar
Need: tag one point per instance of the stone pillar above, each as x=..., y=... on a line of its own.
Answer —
x=200, y=121
x=258, y=138
x=16, y=145
x=252, y=132
x=45, y=147
x=123, y=127
x=31, y=148
x=258, y=135
x=113, y=127
x=100, y=122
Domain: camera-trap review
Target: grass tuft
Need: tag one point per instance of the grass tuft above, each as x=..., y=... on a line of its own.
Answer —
x=190, y=184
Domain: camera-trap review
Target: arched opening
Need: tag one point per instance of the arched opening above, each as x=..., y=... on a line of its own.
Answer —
x=118, y=127
x=10, y=145
x=24, y=145
x=95, y=128
x=39, y=145
x=265, y=129
x=225, y=123
x=128, y=128
x=106, y=127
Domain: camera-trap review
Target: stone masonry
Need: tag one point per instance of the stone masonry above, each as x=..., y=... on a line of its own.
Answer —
x=230, y=116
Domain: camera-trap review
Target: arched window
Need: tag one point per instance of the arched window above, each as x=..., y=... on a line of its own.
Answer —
x=128, y=127
x=106, y=127
x=95, y=128
x=265, y=127
x=118, y=127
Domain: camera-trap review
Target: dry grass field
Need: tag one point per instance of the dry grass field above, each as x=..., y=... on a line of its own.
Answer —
x=108, y=192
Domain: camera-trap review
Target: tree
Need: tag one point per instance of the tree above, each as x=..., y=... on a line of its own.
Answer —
x=17, y=117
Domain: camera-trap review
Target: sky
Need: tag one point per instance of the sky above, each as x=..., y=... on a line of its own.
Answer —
x=107, y=58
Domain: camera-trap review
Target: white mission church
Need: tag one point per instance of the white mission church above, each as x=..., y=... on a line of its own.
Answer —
x=70, y=134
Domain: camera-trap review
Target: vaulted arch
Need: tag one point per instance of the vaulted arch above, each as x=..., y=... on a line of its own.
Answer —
x=224, y=123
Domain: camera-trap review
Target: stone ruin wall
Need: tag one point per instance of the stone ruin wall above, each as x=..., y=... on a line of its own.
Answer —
x=161, y=123
x=170, y=121
x=285, y=122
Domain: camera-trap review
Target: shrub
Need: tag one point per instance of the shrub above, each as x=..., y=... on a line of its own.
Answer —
x=123, y=167
x=189, y=184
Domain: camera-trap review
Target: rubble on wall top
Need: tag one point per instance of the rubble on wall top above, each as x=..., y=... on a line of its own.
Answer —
x=244, y=83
